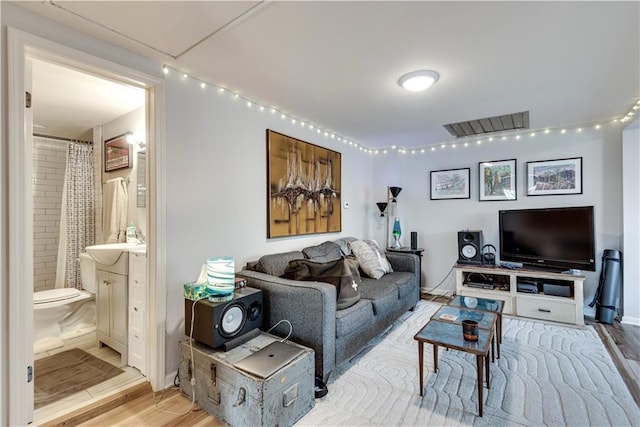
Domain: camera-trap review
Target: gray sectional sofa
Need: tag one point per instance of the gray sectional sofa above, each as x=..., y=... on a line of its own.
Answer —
x=310, y=306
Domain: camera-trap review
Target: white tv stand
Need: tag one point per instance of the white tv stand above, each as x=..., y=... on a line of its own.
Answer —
x=502, y=284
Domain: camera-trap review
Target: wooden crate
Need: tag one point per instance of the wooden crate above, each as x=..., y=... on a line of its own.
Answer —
x=240, y=399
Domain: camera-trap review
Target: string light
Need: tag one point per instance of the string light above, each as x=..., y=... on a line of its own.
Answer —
x=443, y=145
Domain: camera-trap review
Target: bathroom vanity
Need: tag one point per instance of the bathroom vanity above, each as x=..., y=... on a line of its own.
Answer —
x=112, y=305
x=121, y=300
x=137, y=309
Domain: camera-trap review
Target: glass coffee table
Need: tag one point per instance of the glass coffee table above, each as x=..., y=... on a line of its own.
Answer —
x=448, y=334
x=484, y=304
x=485, y=319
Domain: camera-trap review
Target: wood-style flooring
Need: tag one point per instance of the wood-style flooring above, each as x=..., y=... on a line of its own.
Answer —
x=171, y=408
x=130, y=377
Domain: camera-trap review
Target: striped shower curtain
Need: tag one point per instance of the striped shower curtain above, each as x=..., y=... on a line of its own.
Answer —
x=78, y=202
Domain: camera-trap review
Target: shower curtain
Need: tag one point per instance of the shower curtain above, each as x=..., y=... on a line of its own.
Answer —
x=77, y=213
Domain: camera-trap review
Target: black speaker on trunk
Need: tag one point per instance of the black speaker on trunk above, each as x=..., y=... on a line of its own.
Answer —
x=470, y=247
x=215, y=324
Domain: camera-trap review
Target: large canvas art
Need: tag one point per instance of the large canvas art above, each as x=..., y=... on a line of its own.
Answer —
x=303, y=194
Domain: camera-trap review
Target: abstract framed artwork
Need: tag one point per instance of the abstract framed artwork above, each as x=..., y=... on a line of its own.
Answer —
x=554, y=177
x=497, y=180
x=450, y=184
x=303, y=187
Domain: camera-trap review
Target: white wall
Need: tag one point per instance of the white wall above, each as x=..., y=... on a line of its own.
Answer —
x=438, y=221
x=631, y=203
x=133, y=121
x=216, y=188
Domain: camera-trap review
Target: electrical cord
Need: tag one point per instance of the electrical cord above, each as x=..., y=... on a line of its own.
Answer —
x=290, y=329
x=193, y=363
x=440, y=284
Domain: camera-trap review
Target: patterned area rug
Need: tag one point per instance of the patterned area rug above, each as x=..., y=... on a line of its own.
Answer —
x=547, y=375
x=69, y=372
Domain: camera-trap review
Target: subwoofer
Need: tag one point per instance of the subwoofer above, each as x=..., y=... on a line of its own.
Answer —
x=470, y=247
x=215, y=324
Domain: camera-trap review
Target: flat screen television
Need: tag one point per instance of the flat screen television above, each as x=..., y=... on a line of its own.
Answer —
x=548, y=238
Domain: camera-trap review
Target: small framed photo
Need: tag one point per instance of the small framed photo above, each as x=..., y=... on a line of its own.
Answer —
x=554, y=177
x=117, y=153
x=497, y=180
x=450, y=184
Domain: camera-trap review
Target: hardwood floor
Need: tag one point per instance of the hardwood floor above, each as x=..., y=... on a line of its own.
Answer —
x=171, y=408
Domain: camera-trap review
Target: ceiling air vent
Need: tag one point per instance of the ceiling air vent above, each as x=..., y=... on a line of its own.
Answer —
x=489, y=124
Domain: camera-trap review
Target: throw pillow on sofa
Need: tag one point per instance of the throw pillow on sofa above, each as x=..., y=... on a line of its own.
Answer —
x=327, y=251
x=341, y=273
x=371, y=258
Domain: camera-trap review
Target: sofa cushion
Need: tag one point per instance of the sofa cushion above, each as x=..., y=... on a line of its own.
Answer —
x=340, y=273
x=383, y=295
x=357, y=317
x=371, y=258
x=327, y=251
x=275, y=264
x=344, y=245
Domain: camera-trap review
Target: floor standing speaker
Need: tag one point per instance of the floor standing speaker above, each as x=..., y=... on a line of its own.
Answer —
x=470, y=247
x=215, y=324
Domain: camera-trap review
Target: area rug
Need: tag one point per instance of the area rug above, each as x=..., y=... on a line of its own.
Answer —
x=547, y=374
x=68, y=372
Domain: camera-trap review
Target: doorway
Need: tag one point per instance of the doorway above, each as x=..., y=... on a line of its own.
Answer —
x=24, y=47
x=74, y=113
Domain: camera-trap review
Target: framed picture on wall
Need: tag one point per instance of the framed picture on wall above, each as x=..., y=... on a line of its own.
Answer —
x=117, y=153
x=303, y=187
x=450, y=184
x=554, y=177
x=497, y=180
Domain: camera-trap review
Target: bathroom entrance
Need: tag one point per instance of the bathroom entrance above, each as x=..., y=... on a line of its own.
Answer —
x=75, y=207
x=35, y=236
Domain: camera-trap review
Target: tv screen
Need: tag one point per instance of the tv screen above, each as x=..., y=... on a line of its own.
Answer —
x=552, y=238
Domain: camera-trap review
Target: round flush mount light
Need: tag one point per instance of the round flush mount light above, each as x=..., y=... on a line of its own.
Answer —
x=417, y=81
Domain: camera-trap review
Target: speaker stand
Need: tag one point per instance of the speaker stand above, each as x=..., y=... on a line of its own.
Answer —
x=239, y=340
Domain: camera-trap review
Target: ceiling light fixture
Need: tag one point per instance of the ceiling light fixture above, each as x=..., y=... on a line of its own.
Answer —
x=418, y=81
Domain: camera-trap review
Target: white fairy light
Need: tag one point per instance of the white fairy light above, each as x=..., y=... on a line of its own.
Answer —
x=202, y=85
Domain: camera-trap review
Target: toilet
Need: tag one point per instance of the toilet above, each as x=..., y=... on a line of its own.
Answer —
x=65, y=313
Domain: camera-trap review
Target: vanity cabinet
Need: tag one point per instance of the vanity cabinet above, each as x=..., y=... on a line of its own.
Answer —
x=137, y=310
x=112, y=303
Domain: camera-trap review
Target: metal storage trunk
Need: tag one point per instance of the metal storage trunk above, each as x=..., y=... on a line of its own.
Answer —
x=241, y=399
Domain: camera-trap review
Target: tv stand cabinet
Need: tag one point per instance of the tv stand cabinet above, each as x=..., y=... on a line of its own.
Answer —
x=562, y=302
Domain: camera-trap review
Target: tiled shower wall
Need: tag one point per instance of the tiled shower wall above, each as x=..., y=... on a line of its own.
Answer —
x=49, y=160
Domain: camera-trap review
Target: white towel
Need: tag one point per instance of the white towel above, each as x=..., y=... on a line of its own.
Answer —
x=115, y=211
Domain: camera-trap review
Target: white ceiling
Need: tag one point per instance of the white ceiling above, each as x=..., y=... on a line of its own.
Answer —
x=337, y=63
x=67, y=103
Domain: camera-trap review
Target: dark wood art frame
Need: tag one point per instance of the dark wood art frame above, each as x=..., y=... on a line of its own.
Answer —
x=303, y=187
x=117, y=153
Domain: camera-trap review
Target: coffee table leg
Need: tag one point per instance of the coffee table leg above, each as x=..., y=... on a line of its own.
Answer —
x=486, y=368
x=479, y=363
x=499, y=331
x=435, y=358
x=493, y=349
x=421, y=363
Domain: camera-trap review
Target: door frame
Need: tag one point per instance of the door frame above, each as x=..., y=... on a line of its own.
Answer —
x=20, y=46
